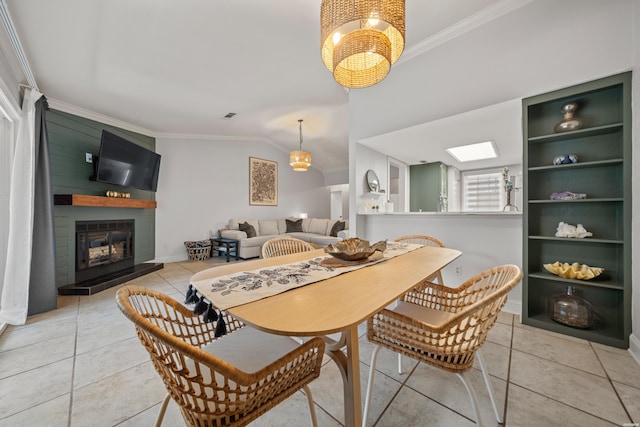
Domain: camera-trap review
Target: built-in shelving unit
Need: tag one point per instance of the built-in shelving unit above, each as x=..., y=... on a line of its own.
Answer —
x=603, y=173
x=102, y=201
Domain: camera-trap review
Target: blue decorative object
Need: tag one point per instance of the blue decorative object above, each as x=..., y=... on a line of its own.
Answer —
x=565, y=159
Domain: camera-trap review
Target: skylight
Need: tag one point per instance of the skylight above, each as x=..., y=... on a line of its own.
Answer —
x=471, y=152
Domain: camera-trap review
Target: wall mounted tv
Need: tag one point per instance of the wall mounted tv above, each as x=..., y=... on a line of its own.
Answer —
x=122, y=162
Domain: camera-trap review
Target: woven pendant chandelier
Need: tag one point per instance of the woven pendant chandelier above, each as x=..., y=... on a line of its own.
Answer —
x=298, y=159
x=361, y=39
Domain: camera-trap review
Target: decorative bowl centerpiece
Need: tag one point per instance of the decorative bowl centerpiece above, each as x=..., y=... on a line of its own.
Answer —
x=573, y=271
x=354, y=249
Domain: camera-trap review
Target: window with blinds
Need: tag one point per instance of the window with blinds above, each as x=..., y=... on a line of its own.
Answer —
x=482, y=190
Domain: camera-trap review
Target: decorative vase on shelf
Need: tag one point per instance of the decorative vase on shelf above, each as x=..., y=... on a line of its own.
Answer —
x=569, y=122
x=571, y=310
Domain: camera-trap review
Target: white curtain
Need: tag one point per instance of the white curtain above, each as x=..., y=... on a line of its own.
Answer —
x=15, y=289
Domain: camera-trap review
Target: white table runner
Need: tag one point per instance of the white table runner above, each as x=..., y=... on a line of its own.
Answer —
x=248, y=286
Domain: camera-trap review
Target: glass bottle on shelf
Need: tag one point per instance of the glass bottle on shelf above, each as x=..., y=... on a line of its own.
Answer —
x=571, y=310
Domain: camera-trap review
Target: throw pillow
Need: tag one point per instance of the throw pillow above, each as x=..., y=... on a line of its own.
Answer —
x=294, y=226
x=247, y=228
x=338, y=226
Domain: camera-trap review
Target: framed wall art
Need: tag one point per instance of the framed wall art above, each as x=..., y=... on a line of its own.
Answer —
x=263, y=182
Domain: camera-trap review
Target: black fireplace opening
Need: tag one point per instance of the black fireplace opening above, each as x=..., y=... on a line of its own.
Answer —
x=103, y=248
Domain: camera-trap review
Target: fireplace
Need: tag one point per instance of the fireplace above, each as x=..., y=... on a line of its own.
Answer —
x=103, y=248
x=104, y=257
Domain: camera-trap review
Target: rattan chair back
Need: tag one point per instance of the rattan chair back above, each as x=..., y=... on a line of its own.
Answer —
x=421, y=239
x=284, y=246
x=445, y=327
x=451, y=345
x=208, y=390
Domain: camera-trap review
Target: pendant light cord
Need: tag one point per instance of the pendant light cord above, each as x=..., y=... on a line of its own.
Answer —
x=300, y=121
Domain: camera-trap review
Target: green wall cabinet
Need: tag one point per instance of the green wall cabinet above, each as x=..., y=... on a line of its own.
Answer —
x=602, y=145
x=428, y=187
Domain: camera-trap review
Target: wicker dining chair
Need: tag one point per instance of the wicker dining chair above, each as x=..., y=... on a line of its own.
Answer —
x=426, y=241
x=284, y=246
x=444, y=327
x=225, y=381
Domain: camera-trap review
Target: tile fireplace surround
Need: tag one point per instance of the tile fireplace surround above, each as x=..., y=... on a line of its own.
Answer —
x=104, y=254
x=82, y=365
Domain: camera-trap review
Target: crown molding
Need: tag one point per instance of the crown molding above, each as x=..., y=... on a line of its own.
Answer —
x=482, y=17
x=101, y=118
x=12, y=35
x=56, y=104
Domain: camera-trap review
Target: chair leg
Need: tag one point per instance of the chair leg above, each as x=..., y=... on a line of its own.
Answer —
x=487, y=381
x=473, y=397
x=399, y=363
x=163, y=409
x=372, y=370
x=312, y=406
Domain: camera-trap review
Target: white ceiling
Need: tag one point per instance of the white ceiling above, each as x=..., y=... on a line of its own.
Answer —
x=500, y=123
x=175, y=68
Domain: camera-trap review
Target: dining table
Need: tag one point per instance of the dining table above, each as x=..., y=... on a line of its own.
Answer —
x=334, y=306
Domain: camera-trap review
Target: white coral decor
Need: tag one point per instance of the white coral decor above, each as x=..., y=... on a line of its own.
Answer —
x=568, y=230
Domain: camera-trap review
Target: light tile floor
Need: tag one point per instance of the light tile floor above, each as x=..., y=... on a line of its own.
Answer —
x=82, y=365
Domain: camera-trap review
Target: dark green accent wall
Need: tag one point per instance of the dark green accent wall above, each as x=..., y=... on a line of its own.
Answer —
x=424, y=187
x=70, y=137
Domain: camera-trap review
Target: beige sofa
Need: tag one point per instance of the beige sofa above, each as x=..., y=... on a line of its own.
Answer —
x=314, y=230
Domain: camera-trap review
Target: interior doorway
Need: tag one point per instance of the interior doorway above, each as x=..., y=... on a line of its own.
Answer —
x=339, y=199
x=398, y=184
x=336, y=205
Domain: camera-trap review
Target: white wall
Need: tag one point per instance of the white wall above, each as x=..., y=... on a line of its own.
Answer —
x=336, y=177
x=485, y=241
x=204, y=183
x=521, y=54
x=545, y=45
x=367, y=159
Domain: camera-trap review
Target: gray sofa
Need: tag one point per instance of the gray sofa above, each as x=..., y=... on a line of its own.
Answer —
x=314, y=230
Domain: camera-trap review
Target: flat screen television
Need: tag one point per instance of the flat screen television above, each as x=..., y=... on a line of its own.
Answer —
x=122, y=162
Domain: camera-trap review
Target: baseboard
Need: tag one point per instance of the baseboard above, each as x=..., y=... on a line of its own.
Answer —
x=634, y=347
x=513, y=307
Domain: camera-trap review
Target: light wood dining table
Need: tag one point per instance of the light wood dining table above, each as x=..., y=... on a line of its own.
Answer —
x=335, y=305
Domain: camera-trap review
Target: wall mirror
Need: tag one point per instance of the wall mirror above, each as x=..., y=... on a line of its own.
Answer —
x=372, y=181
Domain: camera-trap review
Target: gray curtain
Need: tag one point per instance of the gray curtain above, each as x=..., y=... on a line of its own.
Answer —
x=42, y=282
